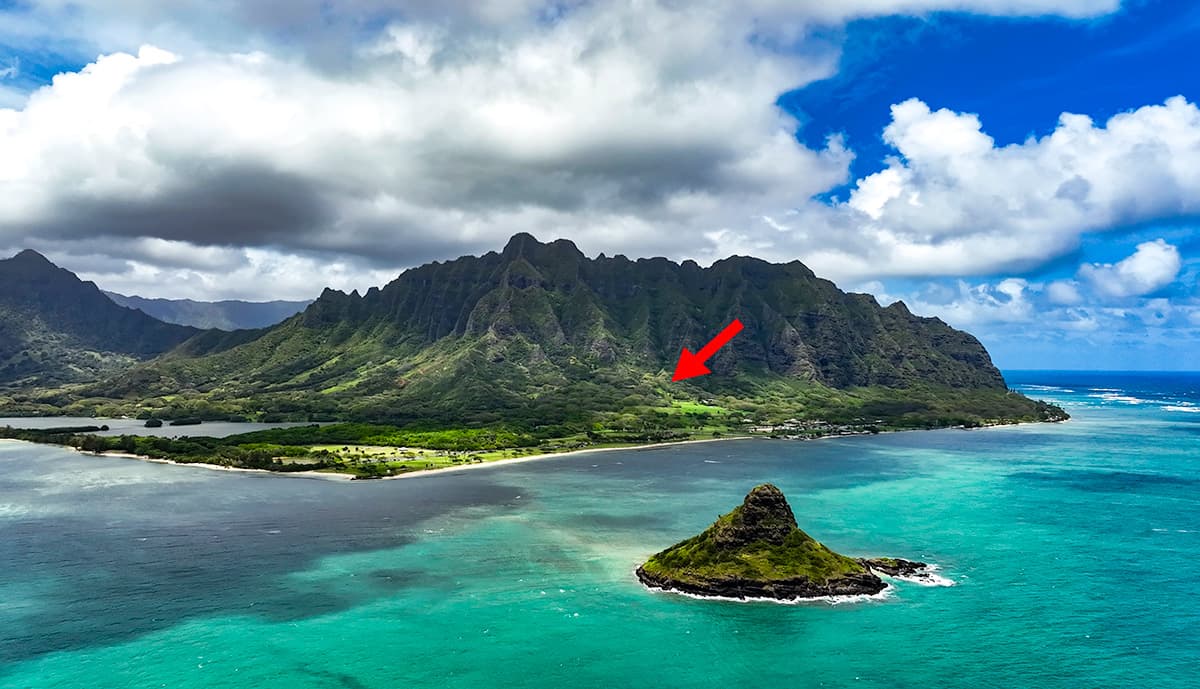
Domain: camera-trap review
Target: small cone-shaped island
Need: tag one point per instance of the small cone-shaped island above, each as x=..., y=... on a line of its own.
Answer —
x=758, y=551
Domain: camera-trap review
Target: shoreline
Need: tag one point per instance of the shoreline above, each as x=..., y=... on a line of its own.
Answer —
x=206, y=465
x=888, y=591
x=334, y=476
x=927, y=578
x=551, y=455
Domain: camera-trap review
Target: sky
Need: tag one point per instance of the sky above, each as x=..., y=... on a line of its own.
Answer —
x=1028, y=170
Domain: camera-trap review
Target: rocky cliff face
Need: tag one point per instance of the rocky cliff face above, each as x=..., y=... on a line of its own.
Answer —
x=543, y=315
x=554, y=302
x=758, y=551
x=765, y=516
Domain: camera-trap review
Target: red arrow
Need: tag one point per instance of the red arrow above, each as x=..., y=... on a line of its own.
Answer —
x=692, y=365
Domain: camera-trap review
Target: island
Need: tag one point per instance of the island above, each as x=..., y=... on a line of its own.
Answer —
x=759, y=551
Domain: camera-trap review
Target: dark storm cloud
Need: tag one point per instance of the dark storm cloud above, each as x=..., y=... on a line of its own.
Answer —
x=635, y=177
x=245, y=204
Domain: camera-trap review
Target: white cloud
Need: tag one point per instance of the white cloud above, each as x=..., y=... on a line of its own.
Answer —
x=1102, y=326
x=1064, y=293
x=323, y=28
x=965, y=305
x=1155, y=312
x=226, y=276
x=622, y=130
x=875, y=288
x=1151, y=267
x=954, y=203
x=627, y=126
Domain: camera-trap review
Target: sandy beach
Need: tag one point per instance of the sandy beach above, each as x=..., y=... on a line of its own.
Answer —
x=552, y=455
x=329, y=476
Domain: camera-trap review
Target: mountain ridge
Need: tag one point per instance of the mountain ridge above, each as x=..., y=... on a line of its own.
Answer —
x=538, y=333
x=513, y=270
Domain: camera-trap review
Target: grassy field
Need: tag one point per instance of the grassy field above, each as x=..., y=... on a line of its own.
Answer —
x=390, y=460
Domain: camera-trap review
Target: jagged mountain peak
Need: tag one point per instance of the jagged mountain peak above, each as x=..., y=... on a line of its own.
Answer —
x=523, y=241
x=764, y=515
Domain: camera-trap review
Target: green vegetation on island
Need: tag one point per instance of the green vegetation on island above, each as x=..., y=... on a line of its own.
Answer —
x=360, y=450
x=378, y=450
x=758, y=551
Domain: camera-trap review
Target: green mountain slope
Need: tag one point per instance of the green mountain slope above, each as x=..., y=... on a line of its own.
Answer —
x=55, y=328
x=539, y=334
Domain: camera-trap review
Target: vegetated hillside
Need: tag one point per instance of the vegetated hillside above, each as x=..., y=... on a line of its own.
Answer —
x=541, y=334
x=224, y=315
x=758, y=551
x=55, y=328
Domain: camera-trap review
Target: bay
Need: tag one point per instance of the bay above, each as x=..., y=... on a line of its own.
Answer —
x=1070, y=545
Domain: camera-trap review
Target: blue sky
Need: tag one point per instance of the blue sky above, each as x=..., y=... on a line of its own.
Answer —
x=1018, y=75
x=232, y=149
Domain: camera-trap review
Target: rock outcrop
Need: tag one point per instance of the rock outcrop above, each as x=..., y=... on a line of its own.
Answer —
x=758, y=551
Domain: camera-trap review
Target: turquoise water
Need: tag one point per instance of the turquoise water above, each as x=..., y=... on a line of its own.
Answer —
x=1072, y=547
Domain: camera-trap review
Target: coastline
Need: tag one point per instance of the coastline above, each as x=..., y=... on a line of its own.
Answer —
x=332, y=476
x=888, y=591
x=551, y=455
x=927, y=578
x=206, y=465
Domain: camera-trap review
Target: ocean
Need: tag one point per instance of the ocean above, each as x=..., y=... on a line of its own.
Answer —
x=1072, y=549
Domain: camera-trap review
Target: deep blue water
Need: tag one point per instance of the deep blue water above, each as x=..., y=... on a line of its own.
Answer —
x=1071, y=546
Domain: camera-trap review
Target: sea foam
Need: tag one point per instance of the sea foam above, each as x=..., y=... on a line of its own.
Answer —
x=885, y=594
x=926, y=577
x=1115, y=397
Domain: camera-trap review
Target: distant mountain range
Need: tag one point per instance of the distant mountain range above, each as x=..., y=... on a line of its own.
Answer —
x=539, y=334
x=223, y=315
